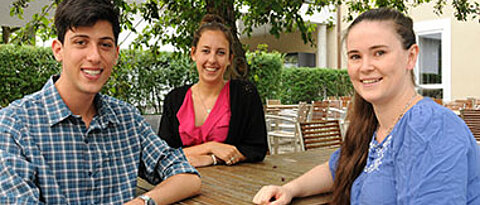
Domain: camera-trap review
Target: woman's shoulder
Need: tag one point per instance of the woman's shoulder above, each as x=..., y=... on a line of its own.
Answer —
x=428, y=121
x=178, y=92
x=242, y=86
x=426, y=112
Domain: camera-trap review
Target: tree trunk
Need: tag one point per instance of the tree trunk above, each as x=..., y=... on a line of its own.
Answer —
x=225, y=9
x=5, y=34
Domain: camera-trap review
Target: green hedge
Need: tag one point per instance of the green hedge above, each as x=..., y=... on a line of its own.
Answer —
x=265, y=71
x=143, y=78
x=24, y=70
x=292, y=85
x=140, y=78
x=307, y=84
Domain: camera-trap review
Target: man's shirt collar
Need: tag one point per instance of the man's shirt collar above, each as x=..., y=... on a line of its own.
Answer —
x=57, y=110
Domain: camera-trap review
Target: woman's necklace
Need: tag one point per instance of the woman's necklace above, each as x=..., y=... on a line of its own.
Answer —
x=202, y=102
x=401, y=114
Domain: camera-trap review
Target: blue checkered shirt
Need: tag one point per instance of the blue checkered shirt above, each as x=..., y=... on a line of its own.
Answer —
x=49, y=156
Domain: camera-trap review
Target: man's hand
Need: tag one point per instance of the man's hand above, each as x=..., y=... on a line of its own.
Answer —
x=173, y=189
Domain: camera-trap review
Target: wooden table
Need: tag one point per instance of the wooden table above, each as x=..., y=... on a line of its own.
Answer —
x=238, y=184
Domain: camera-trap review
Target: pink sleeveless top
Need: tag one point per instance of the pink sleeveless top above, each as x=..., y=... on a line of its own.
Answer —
x=215, y=127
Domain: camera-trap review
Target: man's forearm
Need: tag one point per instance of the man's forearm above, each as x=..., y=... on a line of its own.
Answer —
x=176, y=188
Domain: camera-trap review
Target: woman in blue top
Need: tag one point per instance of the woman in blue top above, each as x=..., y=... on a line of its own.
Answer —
x=400, y=148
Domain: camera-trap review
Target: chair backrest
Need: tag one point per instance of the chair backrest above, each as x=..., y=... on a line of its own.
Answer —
x=302, y=112
x=346, y=101
x=472, y=119
x=466, y=104
x=282, y=131
x=278, y=109
x=335, y=104
x=321, y=134
x=319, y=110
x=273, y=102
x=455, y=106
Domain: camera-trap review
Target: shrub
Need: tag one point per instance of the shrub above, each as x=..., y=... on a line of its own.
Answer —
x=307, y=84
x=24, y=70
x=144, y=78
x=140, y=78
x=265, y=71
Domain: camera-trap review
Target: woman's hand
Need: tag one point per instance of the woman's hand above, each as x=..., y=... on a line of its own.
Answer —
x=272, y=194
x=225, y=152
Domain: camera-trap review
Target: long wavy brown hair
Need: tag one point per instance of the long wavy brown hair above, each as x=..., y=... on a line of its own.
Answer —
x=354, y=150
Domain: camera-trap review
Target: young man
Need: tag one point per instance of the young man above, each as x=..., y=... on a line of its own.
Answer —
x=68, y=144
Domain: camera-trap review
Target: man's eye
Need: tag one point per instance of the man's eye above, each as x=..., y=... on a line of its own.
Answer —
x=205, y=51
x=80, y=42
x=107, y=45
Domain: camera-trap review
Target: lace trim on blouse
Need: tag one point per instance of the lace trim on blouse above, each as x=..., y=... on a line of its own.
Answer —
x=379, y=150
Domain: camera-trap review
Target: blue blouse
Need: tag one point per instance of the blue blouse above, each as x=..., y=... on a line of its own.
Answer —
x=430, y=157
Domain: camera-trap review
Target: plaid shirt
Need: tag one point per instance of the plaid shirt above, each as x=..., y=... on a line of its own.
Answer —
x=48, y=155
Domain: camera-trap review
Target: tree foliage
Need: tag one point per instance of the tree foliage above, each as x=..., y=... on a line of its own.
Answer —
x=174, y=21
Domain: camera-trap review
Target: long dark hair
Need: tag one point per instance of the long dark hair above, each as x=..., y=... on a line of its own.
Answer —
x=354, y=151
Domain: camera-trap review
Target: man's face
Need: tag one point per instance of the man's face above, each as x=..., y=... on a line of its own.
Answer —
x=88, y=55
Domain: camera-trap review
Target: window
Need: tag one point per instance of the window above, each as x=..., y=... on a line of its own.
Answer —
x=430, y=64
x=433, y=67
x=299, y=60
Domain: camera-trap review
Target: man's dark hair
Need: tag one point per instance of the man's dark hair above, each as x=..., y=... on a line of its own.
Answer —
x=71, y=14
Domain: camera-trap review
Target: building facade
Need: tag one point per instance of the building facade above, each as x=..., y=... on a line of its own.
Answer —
x=447, y=67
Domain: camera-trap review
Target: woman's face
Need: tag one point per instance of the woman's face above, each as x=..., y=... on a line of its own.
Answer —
x=212, y=56
x=378, y=65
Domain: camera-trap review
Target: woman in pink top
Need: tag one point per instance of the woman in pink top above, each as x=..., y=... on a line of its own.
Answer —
x=215, y=121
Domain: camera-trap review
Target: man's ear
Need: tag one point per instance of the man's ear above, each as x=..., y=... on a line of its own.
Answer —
x=57, y=49
x=116, y=55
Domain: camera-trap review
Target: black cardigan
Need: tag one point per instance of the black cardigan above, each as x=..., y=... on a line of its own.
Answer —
x=247, y=129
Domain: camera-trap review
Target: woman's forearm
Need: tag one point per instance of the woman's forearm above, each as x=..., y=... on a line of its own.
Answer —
x=317, y=180
x=201, y=149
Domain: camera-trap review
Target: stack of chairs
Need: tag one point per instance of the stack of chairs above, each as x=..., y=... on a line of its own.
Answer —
x=283, y=130
x=318, y=110
x=463, y=104
x=318, y=125
x=472, y=119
